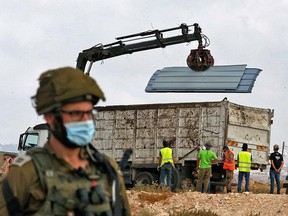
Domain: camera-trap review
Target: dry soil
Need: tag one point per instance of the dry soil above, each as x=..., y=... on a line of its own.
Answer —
x=168, y=203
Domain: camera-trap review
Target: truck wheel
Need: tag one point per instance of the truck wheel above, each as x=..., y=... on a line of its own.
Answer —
x=144, y=178
x=175, y=181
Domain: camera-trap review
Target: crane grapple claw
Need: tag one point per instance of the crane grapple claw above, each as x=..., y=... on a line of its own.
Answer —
x=200, y=59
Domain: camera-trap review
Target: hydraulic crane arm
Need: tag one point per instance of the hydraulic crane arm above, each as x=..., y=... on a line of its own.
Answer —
x=123, y=44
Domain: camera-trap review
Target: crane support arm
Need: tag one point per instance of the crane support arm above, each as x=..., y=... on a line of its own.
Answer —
x=123, y=44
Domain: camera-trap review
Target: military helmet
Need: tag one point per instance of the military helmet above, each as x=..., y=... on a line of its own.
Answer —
x=64, y=85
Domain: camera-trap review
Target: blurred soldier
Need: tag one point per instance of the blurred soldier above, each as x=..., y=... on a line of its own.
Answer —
x=68, y=176
x=244, y=160
x=229, y=166
x=276, y=160
x=166, y=164
x=204, y=161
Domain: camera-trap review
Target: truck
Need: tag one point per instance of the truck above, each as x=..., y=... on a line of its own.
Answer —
x=188, y=126
x=33, y=136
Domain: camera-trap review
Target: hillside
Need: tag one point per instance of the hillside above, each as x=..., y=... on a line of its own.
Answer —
x=8, y=147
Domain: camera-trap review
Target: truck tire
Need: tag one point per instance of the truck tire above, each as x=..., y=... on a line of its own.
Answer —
x=175, y=181
x=145, y=178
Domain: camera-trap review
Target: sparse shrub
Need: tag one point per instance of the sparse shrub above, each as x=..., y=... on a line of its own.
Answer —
x=186, y=185
x=154, y=187
x=139, y=187
x=254, y=214
x=145, y=212
x=259, y=188
x=193, y=212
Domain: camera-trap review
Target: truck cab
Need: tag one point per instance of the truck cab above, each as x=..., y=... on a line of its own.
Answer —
x=33, y=136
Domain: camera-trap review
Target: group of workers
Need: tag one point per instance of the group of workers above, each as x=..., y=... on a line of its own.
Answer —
x=206, y=158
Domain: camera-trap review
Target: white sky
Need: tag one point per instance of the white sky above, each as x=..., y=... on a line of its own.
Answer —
x=37, y=35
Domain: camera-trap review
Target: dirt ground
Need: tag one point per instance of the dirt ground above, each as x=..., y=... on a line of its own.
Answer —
x=243, y=204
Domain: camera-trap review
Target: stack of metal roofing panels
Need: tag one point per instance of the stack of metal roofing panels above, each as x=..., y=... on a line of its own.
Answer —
x=217, y=79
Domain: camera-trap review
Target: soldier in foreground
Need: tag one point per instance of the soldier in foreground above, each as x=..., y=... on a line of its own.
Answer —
x=68, y=176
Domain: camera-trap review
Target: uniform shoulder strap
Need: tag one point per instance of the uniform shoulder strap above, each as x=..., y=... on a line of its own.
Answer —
x=117, y=202
x=43, y=163
x=13, y=205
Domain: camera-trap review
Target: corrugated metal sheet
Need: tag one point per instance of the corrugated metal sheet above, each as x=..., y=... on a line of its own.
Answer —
x=217, y=79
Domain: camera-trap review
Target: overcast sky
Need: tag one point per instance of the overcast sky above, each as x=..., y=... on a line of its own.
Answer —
x=37, y=35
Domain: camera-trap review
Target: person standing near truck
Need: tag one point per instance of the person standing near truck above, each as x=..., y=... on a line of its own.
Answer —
x=277, y=162
x=229, y=166
x=68, y=176
x=205, y=159
x=166, y=164
x=7, y=162
x=244, y=160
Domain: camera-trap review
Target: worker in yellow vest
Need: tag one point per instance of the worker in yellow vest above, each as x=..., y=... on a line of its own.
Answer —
x=229, y=166
x=166, y=164
x=244, y=160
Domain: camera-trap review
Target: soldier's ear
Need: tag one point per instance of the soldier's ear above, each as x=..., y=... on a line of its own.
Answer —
x=49, y=118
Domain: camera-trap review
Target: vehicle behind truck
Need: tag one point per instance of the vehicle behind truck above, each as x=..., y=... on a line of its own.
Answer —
x=33, y=136
x=188, y=126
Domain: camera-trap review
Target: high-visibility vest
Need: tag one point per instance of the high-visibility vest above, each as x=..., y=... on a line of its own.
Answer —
x=166, y=154
x=229, y=161
x=244, y=161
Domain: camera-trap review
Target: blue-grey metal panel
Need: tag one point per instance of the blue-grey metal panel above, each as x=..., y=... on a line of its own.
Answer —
x=217, y=79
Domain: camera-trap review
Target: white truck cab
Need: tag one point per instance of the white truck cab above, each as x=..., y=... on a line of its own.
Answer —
x=33, y=136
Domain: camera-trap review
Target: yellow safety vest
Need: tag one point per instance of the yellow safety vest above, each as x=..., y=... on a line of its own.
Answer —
x=244, y=161
x=166, y=154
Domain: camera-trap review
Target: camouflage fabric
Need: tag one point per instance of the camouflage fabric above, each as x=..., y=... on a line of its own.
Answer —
x=27, y=187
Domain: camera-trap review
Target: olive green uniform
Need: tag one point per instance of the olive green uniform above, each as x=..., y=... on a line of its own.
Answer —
x=26, y=186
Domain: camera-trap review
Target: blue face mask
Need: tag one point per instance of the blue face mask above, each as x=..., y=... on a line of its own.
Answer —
x=80, y=133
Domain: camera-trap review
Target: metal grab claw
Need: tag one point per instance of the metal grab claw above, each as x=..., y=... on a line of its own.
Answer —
x=200, y=59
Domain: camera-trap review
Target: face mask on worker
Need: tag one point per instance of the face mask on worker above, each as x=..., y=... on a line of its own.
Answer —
x=80, y=133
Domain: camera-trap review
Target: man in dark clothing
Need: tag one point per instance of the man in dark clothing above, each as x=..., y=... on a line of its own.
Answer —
x=276, y=160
